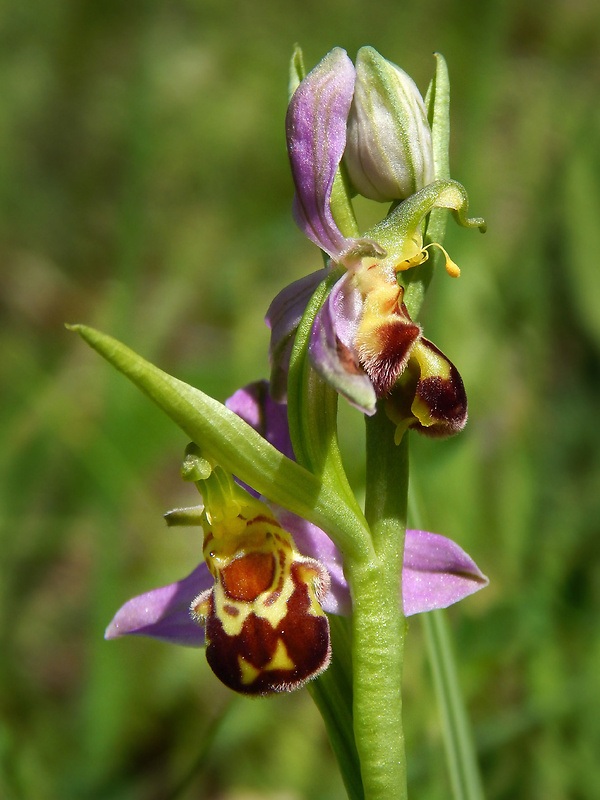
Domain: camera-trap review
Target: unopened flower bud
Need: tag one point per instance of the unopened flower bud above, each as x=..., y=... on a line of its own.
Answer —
x=389, y=153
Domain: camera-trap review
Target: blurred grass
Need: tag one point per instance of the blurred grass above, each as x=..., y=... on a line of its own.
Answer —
x=146, y=191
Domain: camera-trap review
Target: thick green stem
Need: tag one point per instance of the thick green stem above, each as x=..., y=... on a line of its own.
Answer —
x=378, y=644
x=378, y=627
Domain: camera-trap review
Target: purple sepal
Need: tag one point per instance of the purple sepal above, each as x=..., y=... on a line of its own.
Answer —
x=316, y=139
x=436, y=573
x=331, y=349
x=164, y=613
x=255, y=406
x=283, y=317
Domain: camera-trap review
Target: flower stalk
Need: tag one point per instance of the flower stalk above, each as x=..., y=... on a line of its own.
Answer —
x=378, y=622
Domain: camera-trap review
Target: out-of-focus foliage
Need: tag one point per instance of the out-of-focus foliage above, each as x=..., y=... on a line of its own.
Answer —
x=145, y=190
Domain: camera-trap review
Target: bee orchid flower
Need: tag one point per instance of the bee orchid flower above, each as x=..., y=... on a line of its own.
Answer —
x=363, y=337
x=228, y=605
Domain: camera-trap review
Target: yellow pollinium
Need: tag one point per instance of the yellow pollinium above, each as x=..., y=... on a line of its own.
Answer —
x=422, y=255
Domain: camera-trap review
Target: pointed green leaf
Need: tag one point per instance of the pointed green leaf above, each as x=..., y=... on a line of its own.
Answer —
x=437, y=102
x=222, y=436
x=297, y=71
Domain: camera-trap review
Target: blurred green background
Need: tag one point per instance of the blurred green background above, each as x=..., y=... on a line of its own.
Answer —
x=145, y=190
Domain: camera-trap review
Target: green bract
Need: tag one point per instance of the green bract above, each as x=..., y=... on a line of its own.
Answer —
x=229, y=441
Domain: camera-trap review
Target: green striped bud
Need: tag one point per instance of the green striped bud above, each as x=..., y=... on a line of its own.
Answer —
x=389, y=153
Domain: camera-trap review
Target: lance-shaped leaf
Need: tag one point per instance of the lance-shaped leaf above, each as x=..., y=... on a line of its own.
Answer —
x=437, y=102
x=237, y=447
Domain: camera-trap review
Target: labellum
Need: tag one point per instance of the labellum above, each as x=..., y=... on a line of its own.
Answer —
x=265, y=629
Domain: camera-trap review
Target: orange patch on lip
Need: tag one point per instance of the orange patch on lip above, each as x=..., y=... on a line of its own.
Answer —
x=248, y=576
x=250, y=662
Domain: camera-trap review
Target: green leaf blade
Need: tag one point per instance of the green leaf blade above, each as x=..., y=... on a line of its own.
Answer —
x=236, y=446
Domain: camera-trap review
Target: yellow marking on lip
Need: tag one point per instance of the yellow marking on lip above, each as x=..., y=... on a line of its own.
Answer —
x=248, y=673
x=281, y=658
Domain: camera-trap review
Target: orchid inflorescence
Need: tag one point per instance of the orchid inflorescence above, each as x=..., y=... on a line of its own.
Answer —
x=285, y=542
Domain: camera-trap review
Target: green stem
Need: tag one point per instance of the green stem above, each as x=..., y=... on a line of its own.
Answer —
x=378, y=622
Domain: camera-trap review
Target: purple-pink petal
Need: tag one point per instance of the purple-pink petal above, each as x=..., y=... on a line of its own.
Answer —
x=331, y=347
x=164, y=613
x=316, y=137
x=436, y=573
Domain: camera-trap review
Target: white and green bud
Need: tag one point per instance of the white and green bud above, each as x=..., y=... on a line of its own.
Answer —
x=389, y=153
